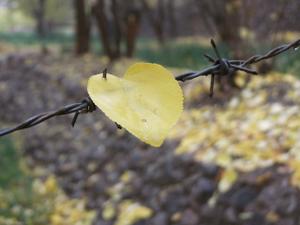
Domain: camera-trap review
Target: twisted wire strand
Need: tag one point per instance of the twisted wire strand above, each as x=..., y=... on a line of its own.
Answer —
x=274, y=52
x=78, y=108
x=219, y=67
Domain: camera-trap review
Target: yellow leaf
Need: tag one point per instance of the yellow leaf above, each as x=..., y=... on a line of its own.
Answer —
x=132, y=212
x=147, y=101
x=51, y=185
x=108, y=212
x=228, y=178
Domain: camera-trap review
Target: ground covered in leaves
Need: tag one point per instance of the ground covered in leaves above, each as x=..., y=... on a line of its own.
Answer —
x=233, y=159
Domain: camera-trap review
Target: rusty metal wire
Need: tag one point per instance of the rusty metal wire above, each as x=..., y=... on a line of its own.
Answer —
x=219, y=67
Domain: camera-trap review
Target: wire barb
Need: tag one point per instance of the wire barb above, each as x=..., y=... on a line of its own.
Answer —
x=104, y=74
x=212, y=84
x=209, y=58
x=219, y=67
x=213, y=44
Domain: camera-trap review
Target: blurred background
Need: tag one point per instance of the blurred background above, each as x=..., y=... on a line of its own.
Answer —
x=232, y=159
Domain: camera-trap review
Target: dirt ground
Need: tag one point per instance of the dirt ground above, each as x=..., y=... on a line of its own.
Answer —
x=97, y=161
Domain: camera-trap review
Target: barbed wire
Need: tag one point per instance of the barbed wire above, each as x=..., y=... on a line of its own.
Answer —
x=85, y=106
x=225, y=67
x=220, y=67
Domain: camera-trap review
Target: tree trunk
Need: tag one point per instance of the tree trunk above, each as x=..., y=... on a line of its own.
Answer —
x=172, y=18
x=122, y=25
x=40, y=18
x=117, y=30
x=132, y=23
x=160, y=21
x=224, y=16
x=98, y=11
x=82, y=28
x=156, y=21
x=159, y=32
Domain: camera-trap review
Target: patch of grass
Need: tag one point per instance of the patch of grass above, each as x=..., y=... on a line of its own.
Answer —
x=19, y=203
x=24, y=199
x=25, y=39
x=179, y=55
x=16, y=193
x=64, y=41
x=289, y=63
x=10, y=171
